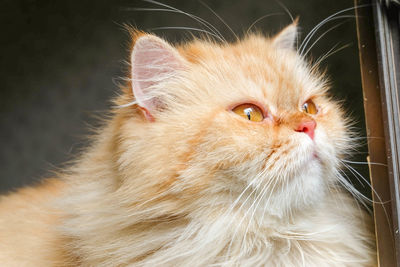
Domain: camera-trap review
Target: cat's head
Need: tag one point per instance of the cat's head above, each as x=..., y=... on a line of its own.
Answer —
x=245, y=120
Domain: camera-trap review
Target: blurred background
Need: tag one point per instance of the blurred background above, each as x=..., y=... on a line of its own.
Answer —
x=61, y=62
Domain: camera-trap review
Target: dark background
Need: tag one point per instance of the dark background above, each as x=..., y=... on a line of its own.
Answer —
x=61, y=62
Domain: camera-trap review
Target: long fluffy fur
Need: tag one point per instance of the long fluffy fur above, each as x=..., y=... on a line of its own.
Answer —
x=201, y=186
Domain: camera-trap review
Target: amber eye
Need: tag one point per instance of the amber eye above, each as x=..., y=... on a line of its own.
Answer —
x=250, y=112
x=310, y=107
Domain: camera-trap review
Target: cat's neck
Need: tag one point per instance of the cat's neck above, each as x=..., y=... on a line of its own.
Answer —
x=104, y=207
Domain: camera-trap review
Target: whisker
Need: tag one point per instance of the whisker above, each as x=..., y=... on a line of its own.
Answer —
x=372, y=137
x=202, y=21
x=314, y=31
x=355, y=172
x=189, y=29
x=230, y=210
x=259, y=19
x=244, y=216
x=285, y=8
x=330, y=53
x=309, y=35
x=364, y=163
x=126, y=105
x=353, y=190
x=219, y=17
x=241, y=221
x=355, y=175
x=258, y=201
x=240, y=196
x=198, y=19
x=265, y=207
x=322, y=35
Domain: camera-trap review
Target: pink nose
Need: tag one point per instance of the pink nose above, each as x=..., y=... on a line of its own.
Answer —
x=307, y=127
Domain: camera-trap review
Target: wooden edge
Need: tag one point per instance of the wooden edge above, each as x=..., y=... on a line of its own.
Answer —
x=375, y=133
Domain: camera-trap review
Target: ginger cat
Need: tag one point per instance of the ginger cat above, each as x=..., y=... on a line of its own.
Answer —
x=220, y=154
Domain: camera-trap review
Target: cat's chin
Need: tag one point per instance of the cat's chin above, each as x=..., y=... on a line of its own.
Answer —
x=304, y=189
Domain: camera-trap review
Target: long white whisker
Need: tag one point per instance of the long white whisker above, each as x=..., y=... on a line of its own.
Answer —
x=196, y=18
x=365, y=180
x=364, y=163
x=285, y=8
x=330, y=53
x=314, y=31
x=380, y=202
x=189, y=29
x=242, y=219
x=253, y=181
x=356, y=194
x=355, y=175
x=327, y=19
x=259, y=19
x=260, y=197
x=322, y=35
x=219, y=17
x=230, y=210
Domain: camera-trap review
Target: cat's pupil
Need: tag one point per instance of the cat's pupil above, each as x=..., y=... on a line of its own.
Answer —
x=310, y=107
x=248, y=111
x=305, y=107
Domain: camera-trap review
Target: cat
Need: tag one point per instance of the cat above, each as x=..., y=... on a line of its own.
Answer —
x=219, y=154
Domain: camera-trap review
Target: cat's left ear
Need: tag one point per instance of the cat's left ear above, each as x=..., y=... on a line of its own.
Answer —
x=287, y=38
x=153, y=61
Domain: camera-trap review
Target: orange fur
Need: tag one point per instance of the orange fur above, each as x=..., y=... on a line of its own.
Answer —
x=161, y=191
x=28, y=231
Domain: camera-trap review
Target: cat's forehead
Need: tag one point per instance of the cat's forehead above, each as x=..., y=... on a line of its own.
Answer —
x=253, y=68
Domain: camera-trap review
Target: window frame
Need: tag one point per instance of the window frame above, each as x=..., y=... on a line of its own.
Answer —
x=378, y=31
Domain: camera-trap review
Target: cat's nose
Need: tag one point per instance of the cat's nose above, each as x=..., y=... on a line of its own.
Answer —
x=307, y=127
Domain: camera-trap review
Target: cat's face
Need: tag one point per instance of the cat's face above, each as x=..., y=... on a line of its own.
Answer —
x=231, y=120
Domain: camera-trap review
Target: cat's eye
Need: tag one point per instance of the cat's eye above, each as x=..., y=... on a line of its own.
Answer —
x=250, y=112
x=310, y=107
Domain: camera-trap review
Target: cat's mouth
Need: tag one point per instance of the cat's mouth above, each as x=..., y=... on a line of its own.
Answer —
x=311, y=162
x=315, y=155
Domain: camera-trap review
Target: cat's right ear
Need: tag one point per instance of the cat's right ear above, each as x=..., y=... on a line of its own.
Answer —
x=153, y=61
x=287, y=38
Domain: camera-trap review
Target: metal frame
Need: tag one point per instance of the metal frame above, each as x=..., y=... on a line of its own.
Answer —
x=378, y=36
x=387, y=24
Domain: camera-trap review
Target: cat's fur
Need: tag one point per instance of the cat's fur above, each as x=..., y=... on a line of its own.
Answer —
x=178, y=179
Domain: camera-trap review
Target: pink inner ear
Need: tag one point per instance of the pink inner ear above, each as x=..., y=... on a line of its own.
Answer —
x=153, y=61
x=286, y=39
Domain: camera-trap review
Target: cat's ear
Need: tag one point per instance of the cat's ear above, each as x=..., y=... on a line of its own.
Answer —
x=153, y=61
x=287, y=38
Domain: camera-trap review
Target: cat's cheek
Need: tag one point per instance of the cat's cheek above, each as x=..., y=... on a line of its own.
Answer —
x=326, y=152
